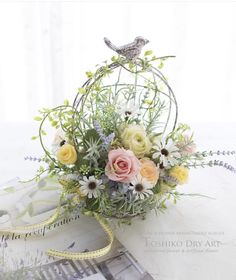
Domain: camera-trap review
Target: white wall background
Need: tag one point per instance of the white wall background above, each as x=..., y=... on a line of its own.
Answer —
x=45, y=48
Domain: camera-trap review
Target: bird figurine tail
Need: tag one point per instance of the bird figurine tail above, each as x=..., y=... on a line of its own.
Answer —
x=110, y=45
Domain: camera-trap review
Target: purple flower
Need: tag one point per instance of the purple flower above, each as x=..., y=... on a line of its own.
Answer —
x=106, y=140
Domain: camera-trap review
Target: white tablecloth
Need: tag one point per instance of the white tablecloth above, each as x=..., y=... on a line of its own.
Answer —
x=195, y=239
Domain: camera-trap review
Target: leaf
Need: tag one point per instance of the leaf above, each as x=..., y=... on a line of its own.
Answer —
x=131, y=65
x=34, y=137
x=54, y=123
x=82, y=90
x=160, y=66
x=37, y=118
x=43, y=132
x=149, y=52
x=97, y=88
x=163, y=205
x=89, y=74
x=9, y=189
x=114, y=58
x=46, y=110
x=66, y=102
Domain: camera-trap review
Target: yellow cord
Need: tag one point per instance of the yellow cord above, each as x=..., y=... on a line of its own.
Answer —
x=87, y=255
x=63, y=254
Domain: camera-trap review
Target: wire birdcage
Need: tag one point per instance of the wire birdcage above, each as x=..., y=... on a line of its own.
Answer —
x=127, y=82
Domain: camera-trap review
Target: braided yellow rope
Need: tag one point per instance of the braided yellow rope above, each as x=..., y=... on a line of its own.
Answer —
x=68, y=255
x=87, y=255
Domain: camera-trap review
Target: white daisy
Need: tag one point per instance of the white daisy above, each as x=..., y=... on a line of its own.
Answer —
x=59, y=140
x=128, y=110
x=91, y=187
x=166, y=152
x=141, y=187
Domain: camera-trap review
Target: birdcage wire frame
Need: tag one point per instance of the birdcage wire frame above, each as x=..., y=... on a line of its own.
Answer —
x=80, y=99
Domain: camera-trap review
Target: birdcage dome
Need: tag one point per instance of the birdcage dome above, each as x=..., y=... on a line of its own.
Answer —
x=135, y=88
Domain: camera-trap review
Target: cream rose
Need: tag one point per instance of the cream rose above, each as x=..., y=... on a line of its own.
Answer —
x=149, y=170
x=135, y=139
x=67, y=154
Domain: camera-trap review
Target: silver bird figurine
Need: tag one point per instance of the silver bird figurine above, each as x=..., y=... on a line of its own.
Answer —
x=130, y=51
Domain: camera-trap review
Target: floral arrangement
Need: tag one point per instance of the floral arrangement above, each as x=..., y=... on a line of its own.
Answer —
x=118, y=148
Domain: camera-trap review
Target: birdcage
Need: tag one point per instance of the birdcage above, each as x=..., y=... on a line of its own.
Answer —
x=137, y=90
x=132, y=86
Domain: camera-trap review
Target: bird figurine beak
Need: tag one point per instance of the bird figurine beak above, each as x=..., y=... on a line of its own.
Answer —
x=146, y=41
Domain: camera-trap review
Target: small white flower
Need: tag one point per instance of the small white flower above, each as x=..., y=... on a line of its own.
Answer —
x=59, y=140
x=128, y=110
x=166, y=152
x=141, y=187
x=91, y=187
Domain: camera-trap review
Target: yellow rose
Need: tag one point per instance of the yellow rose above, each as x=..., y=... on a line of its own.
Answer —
x=149, y=170
x=135, y=139
x=67, y=154
x=180, y=173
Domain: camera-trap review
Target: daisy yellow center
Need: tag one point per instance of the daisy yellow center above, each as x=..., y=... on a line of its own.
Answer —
x=92, y=185
x=139, y=187
x=164, y=152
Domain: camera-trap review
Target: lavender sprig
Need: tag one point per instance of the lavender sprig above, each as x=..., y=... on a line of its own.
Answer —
x=98, y=129
x=106, y=140
x=216, y=153
x=213, y=163
x=33, y=158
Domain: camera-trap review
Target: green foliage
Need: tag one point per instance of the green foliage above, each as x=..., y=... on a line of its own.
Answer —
x=37, y=118
x=148, y=53
x=89, y=74
x=82, y=90
x=121, y=206
x=90, y=135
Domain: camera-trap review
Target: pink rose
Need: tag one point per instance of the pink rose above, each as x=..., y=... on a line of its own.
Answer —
x=122, y=165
